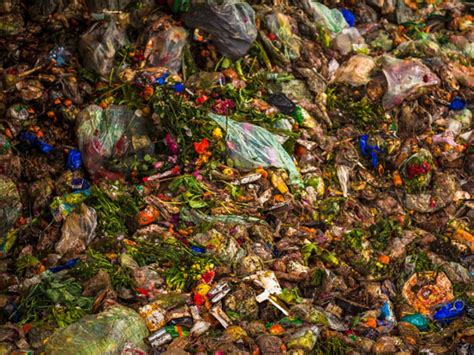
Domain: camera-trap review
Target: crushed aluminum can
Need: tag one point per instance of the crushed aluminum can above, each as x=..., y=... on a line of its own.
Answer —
x=159, y=338
x=219, y=292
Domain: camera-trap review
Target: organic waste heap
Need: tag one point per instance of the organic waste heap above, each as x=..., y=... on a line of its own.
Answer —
x=221, y=176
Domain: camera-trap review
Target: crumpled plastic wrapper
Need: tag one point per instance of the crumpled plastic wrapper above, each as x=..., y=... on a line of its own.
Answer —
x=404, y=78
x=253, y=146
x=78, y=231
x=356, y=71
x=99, y=44
x=164, y=45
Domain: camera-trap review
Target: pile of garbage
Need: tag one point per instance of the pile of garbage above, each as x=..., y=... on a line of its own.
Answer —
x=222, y=176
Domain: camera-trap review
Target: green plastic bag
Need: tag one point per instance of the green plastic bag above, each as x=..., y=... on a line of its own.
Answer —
x=252, y=146
x=105, y=333
x=332, y=19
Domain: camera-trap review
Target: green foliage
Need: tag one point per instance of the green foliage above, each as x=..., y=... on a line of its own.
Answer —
x=184, y=266
x=317, y=277
x=353, y=240
x=54, y=300
x=26, y=262
x=290, y=296
x=360, y=111
x=182, y=119
x=310, y=249
x=94, y=262
x=422, y=263
x=329, y=208
x=332, y=345
x=113, y=213
x=382, y=231
x=193, y=190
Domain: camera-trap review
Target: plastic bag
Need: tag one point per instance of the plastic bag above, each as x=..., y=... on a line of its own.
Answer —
x=113, y=133
x=349, y=39
x=356, y=71
x=103, y=333
x=10, y=210
x=230, y=22
x=332, y=19
x=288, y=45
x=164, y=48
x=99, y=44
x=78, y=231
x=405, y=77
x=252, y=146
x=195, y=216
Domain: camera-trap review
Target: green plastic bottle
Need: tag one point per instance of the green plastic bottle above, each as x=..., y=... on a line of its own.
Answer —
x=417, y=319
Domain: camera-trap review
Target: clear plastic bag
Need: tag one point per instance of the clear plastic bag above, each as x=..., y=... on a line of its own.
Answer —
x=332, y=19
x=78, y=231
x=349, y=39
x=230, y=22
x=280, y=25
x=195, y=216
x=103, y=333
x=165, y=48
x=252, y=146
x=111, y=140
x=404, y=78
x=99, y=44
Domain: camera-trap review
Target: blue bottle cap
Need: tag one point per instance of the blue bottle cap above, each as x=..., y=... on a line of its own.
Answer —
x=197, y=249
x=457, y=104
x=74, y=160
x=178, y=87
x=348, y=16
x=162, y=79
